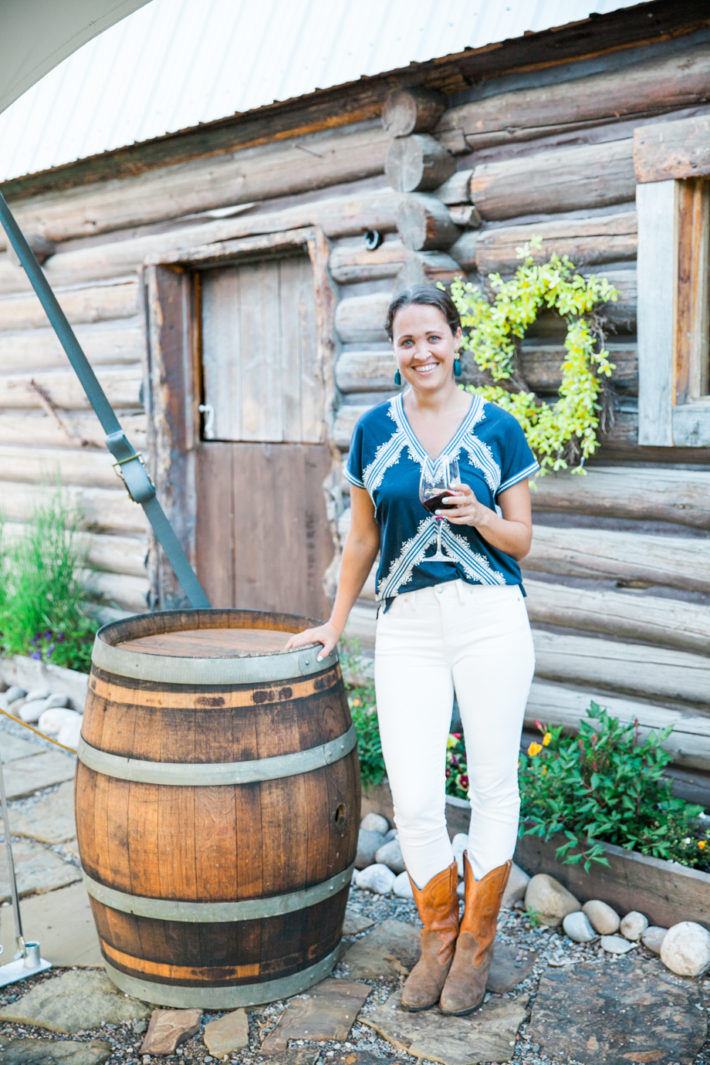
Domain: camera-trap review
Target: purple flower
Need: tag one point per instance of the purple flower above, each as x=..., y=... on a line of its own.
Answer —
x=36, y=654
x=61, y=637
x=48, y=634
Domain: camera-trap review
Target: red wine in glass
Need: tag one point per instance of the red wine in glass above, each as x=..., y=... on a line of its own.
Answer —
x=438, y=478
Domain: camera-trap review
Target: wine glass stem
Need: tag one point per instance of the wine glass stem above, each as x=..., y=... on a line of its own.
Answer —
x=439, y=523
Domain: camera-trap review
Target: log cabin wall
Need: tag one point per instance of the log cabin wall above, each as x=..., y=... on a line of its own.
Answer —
x=444, y=170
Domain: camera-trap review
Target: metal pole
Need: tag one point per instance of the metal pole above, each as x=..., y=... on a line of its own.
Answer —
x=11, y=866
x=128, y=462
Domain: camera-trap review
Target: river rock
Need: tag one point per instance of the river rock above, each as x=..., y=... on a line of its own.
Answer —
x=31, y=710
x=59, y=699
x=390, y=854
x=686, y=949
x=378, y=878
x=375, y=823
x=602, y=917
x=616, y=944
x=37, y=693
x=14, y=694
x=516, y=887
x=633, y=926
x=63, y=723
x=549, y=900
x=578, y=927
x=391, y=834
x=653, y=938
x=368, y=844
x=458, y=845
x=402, y=887
x=227, y=1034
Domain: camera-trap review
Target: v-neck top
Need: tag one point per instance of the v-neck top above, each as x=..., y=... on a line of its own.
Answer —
x=386, y=458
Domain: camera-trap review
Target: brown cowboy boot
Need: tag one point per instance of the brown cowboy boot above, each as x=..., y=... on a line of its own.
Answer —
x=438, y=907
x=466, y=982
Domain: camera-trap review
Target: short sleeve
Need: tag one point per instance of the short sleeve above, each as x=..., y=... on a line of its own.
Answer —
x=355, y=464
x=518, y=461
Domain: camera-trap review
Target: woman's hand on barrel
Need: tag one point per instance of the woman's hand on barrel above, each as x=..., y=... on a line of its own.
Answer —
x=326, y=634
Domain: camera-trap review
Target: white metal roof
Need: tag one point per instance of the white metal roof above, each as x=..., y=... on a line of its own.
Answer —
x=174, y=64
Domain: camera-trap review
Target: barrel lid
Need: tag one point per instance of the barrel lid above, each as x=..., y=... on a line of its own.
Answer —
x=207, y=646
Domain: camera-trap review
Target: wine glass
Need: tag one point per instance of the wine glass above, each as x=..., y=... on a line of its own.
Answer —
x=438, y=477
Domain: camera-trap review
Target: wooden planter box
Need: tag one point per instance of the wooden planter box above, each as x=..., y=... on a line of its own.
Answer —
x=664, y=891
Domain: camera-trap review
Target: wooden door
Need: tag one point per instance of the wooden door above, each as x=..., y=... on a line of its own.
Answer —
x=263, y=540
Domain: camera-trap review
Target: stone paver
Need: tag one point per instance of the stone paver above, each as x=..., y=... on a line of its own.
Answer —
x=36, y=869
x=23, y=776
x=49, y=819
x=486, y=1035
x=227, y=1034
x=638, y=1013
x=53, y=1051
x=390, y=950
x=327, y=1012
x=73, y=1002
x=510, y=967
x=169, y=1028
x=12, y=747
x=61, y=922
x=355, y=923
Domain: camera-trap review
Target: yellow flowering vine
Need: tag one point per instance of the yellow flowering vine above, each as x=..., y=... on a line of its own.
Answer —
x=496, y=317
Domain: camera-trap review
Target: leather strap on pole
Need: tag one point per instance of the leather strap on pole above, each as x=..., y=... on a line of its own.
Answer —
x=128, y=461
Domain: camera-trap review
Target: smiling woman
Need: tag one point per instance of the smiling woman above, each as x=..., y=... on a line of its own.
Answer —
x=457, y=625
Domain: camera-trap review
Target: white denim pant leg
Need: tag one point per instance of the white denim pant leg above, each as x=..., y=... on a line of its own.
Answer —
x=492, y=674
x=478, y=638
x=414, y=689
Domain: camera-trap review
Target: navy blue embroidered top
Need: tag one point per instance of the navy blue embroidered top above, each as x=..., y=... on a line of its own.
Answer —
x=386, y=458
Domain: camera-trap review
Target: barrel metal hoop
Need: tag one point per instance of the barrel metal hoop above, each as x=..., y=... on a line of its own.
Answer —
x=222, y=997
x=214, y=774
x=199, y=912
x=249, y=669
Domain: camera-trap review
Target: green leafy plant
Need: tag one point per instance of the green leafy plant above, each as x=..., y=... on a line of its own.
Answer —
x=607, y=785
x=363, y=710
x=43, y=600
x=456, y=767
x=495, y=318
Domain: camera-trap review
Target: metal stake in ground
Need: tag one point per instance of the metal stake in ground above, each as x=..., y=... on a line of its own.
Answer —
x=28, y=961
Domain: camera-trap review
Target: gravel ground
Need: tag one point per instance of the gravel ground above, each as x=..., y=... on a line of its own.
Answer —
x=554, y=949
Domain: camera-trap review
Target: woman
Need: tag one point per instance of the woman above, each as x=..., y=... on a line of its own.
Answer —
x=443, y=627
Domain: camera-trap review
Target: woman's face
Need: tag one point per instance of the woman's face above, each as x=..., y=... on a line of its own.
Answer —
x=424, y=346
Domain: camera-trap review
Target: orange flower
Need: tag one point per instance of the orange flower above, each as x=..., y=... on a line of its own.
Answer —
x=546, y=739
x=702, y=843
x=534, y=749
x=544, y=770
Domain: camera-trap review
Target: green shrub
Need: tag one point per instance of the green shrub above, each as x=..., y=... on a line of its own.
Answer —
x=607, y=784
x=361, y=697
x=42, y=602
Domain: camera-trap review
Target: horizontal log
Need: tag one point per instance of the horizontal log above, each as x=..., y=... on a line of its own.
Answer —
x=365, y=371
x=417, y=163
x=300, y=165
x=93, y=304
x=673, y=150
x=549, y=182
x=65, y=429
x=361, y=319
x=689, y=742
x=632, y=559
x=599, y=665
x=119, y=590
x=587, y=241
x=39, y=349
x=679, y=496
x=350, y=213
x=111, y=554
x=632, y=90
x=102, y=509
x=408, y=111
x=350, y=261
x=427, y=268
x=465, y=215
x=463, y=250
x=425, y=224
x=62, y=387
x=37, y=465
x=626, y=615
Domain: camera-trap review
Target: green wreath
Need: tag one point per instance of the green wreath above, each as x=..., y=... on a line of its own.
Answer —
x=495, y=318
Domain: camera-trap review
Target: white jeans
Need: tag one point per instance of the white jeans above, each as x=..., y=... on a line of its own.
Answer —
x=474, y=640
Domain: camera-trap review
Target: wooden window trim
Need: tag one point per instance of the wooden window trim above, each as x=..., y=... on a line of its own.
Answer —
x=672, y=162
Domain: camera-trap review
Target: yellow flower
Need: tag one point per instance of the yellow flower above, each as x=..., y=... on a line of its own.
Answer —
x=702, y=843
x=546, y=739
x=534, y=749
x=544, y=770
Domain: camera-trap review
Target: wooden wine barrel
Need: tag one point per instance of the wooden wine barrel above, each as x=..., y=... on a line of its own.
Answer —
x=217, y=807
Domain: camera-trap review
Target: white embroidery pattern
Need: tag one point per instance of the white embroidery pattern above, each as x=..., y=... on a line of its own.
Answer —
x=476, y=566
x=413, y=551
x=387, y=455
x=481, y=456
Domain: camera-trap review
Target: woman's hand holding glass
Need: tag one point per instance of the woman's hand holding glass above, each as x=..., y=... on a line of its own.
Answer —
x=462, y=507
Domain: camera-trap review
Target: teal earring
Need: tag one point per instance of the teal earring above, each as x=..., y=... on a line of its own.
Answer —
x=397, y=378
x=457, y=366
